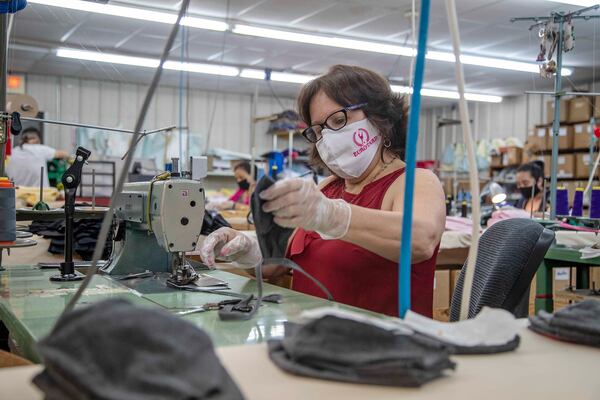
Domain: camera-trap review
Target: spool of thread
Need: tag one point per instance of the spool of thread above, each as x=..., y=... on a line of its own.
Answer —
x=577, y=210
x=8, y=211
x=595, y=203
x=562, y=201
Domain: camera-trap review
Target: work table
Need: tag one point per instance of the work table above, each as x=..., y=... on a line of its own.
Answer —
x=30, y=305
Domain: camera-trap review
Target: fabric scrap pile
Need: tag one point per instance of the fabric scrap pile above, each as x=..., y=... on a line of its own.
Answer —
x=577, y=323
x=347, y=350
x=115, y=350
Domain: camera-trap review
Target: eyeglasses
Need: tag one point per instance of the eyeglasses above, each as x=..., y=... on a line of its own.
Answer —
x=335, y=121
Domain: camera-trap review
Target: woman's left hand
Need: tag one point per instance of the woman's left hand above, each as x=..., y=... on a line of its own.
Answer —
x=298, y=202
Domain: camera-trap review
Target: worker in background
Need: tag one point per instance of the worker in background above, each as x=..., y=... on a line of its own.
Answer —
x=530, y=182
x=348, y=228
x=29, y=157
x=241, y=198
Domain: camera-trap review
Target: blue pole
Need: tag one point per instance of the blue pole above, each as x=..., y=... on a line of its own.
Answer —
x=411, y=161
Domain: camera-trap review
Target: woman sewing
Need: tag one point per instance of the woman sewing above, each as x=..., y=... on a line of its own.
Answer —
x=348, y=228
x=530, y=182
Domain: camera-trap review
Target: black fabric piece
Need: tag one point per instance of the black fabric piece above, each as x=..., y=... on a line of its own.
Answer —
x=85, y=235
x=272, y=238
x=213, y=221
x=116, y=350
x=577, y=323
x=510, y=253
x=339, y=349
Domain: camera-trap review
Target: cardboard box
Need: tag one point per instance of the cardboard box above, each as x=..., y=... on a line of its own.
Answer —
x=581, y=136
x=583, y=163
x=565, y=138
x=512, y=157
x=496, y=160
x=566, y=166
x=580, y=109
x=537, y=138
x=546, y=160
x=597, y=107
x=564, y=111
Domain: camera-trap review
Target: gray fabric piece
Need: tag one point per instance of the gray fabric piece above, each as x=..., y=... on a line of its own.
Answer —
x=115, y=350
x=510, y=252
x=349, y=351
x=272, y=238
x=577, y=323
x=473, y=350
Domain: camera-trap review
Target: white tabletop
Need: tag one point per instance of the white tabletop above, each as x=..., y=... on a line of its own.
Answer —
x=540, y=368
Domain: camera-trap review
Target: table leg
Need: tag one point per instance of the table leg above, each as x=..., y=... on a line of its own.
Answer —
x=543, y=288
x=583, y=278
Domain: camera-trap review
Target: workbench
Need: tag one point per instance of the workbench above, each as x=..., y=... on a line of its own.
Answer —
x=30, y=305
x=540, y=368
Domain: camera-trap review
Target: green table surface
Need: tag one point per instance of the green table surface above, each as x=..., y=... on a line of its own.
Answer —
x=30, y=305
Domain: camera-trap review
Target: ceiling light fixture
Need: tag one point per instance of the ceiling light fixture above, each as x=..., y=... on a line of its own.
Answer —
x=260, y=74
x=211, y=69
x=582, y=3
x=490, y=62
x=135, y=13
x=447, y=94
x=298, y=37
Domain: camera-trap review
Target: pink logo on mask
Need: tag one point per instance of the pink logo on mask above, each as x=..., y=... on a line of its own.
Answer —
x=361, y=137
x=363, y=141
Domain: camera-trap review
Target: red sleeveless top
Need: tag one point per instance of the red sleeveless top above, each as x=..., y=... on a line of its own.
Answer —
x=354, y=275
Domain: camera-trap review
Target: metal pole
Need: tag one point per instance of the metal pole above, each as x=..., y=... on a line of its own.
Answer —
x=556, y=123
x=253, y=108
x=93, y=188
x=3, y=75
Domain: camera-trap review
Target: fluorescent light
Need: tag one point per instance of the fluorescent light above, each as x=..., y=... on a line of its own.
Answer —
x=446, y=94
x=490, y=62
x=253, y=73
x=107, y=58
x=147, y=62
x=376, y=47
x=134, y=13
x=290, y=77
x=298, y=37
x=582, y=3
x=202, y=68
x=323, y=40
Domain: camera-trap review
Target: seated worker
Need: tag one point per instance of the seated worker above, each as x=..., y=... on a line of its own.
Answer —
x=350, y=226
x=530, y=182
x=29, y=157
x=245, y=182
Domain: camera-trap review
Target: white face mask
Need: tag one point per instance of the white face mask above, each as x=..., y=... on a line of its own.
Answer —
x=349, y=151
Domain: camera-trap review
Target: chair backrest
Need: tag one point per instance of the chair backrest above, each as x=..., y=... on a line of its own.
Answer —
x=509, y=255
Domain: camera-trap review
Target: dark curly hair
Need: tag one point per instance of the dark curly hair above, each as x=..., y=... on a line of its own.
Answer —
x=347, y=85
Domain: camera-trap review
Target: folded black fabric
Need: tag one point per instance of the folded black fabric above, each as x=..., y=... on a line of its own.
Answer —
x=115, y=350
x=272, y=238
x=577, y=323
x=345, y=350
x=213, y=221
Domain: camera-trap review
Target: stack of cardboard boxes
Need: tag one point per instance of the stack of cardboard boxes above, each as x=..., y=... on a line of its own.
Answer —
x=573, y=137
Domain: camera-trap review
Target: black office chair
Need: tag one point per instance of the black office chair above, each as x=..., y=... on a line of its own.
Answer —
x=510, y=253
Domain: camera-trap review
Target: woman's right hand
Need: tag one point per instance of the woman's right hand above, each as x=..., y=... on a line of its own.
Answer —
x=232, y=246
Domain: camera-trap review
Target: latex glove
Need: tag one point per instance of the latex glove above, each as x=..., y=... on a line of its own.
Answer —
x=298, y=202
x=232, y=246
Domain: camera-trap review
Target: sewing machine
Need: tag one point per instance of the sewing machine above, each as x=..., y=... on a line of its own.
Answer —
x=158, y=222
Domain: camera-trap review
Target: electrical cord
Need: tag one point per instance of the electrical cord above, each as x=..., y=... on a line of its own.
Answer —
x=473, y=172
x=107, y=221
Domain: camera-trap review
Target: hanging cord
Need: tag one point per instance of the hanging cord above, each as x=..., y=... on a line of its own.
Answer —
x=107, y=221
x=411, y=160
x=473, y=172
x=259, y=286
